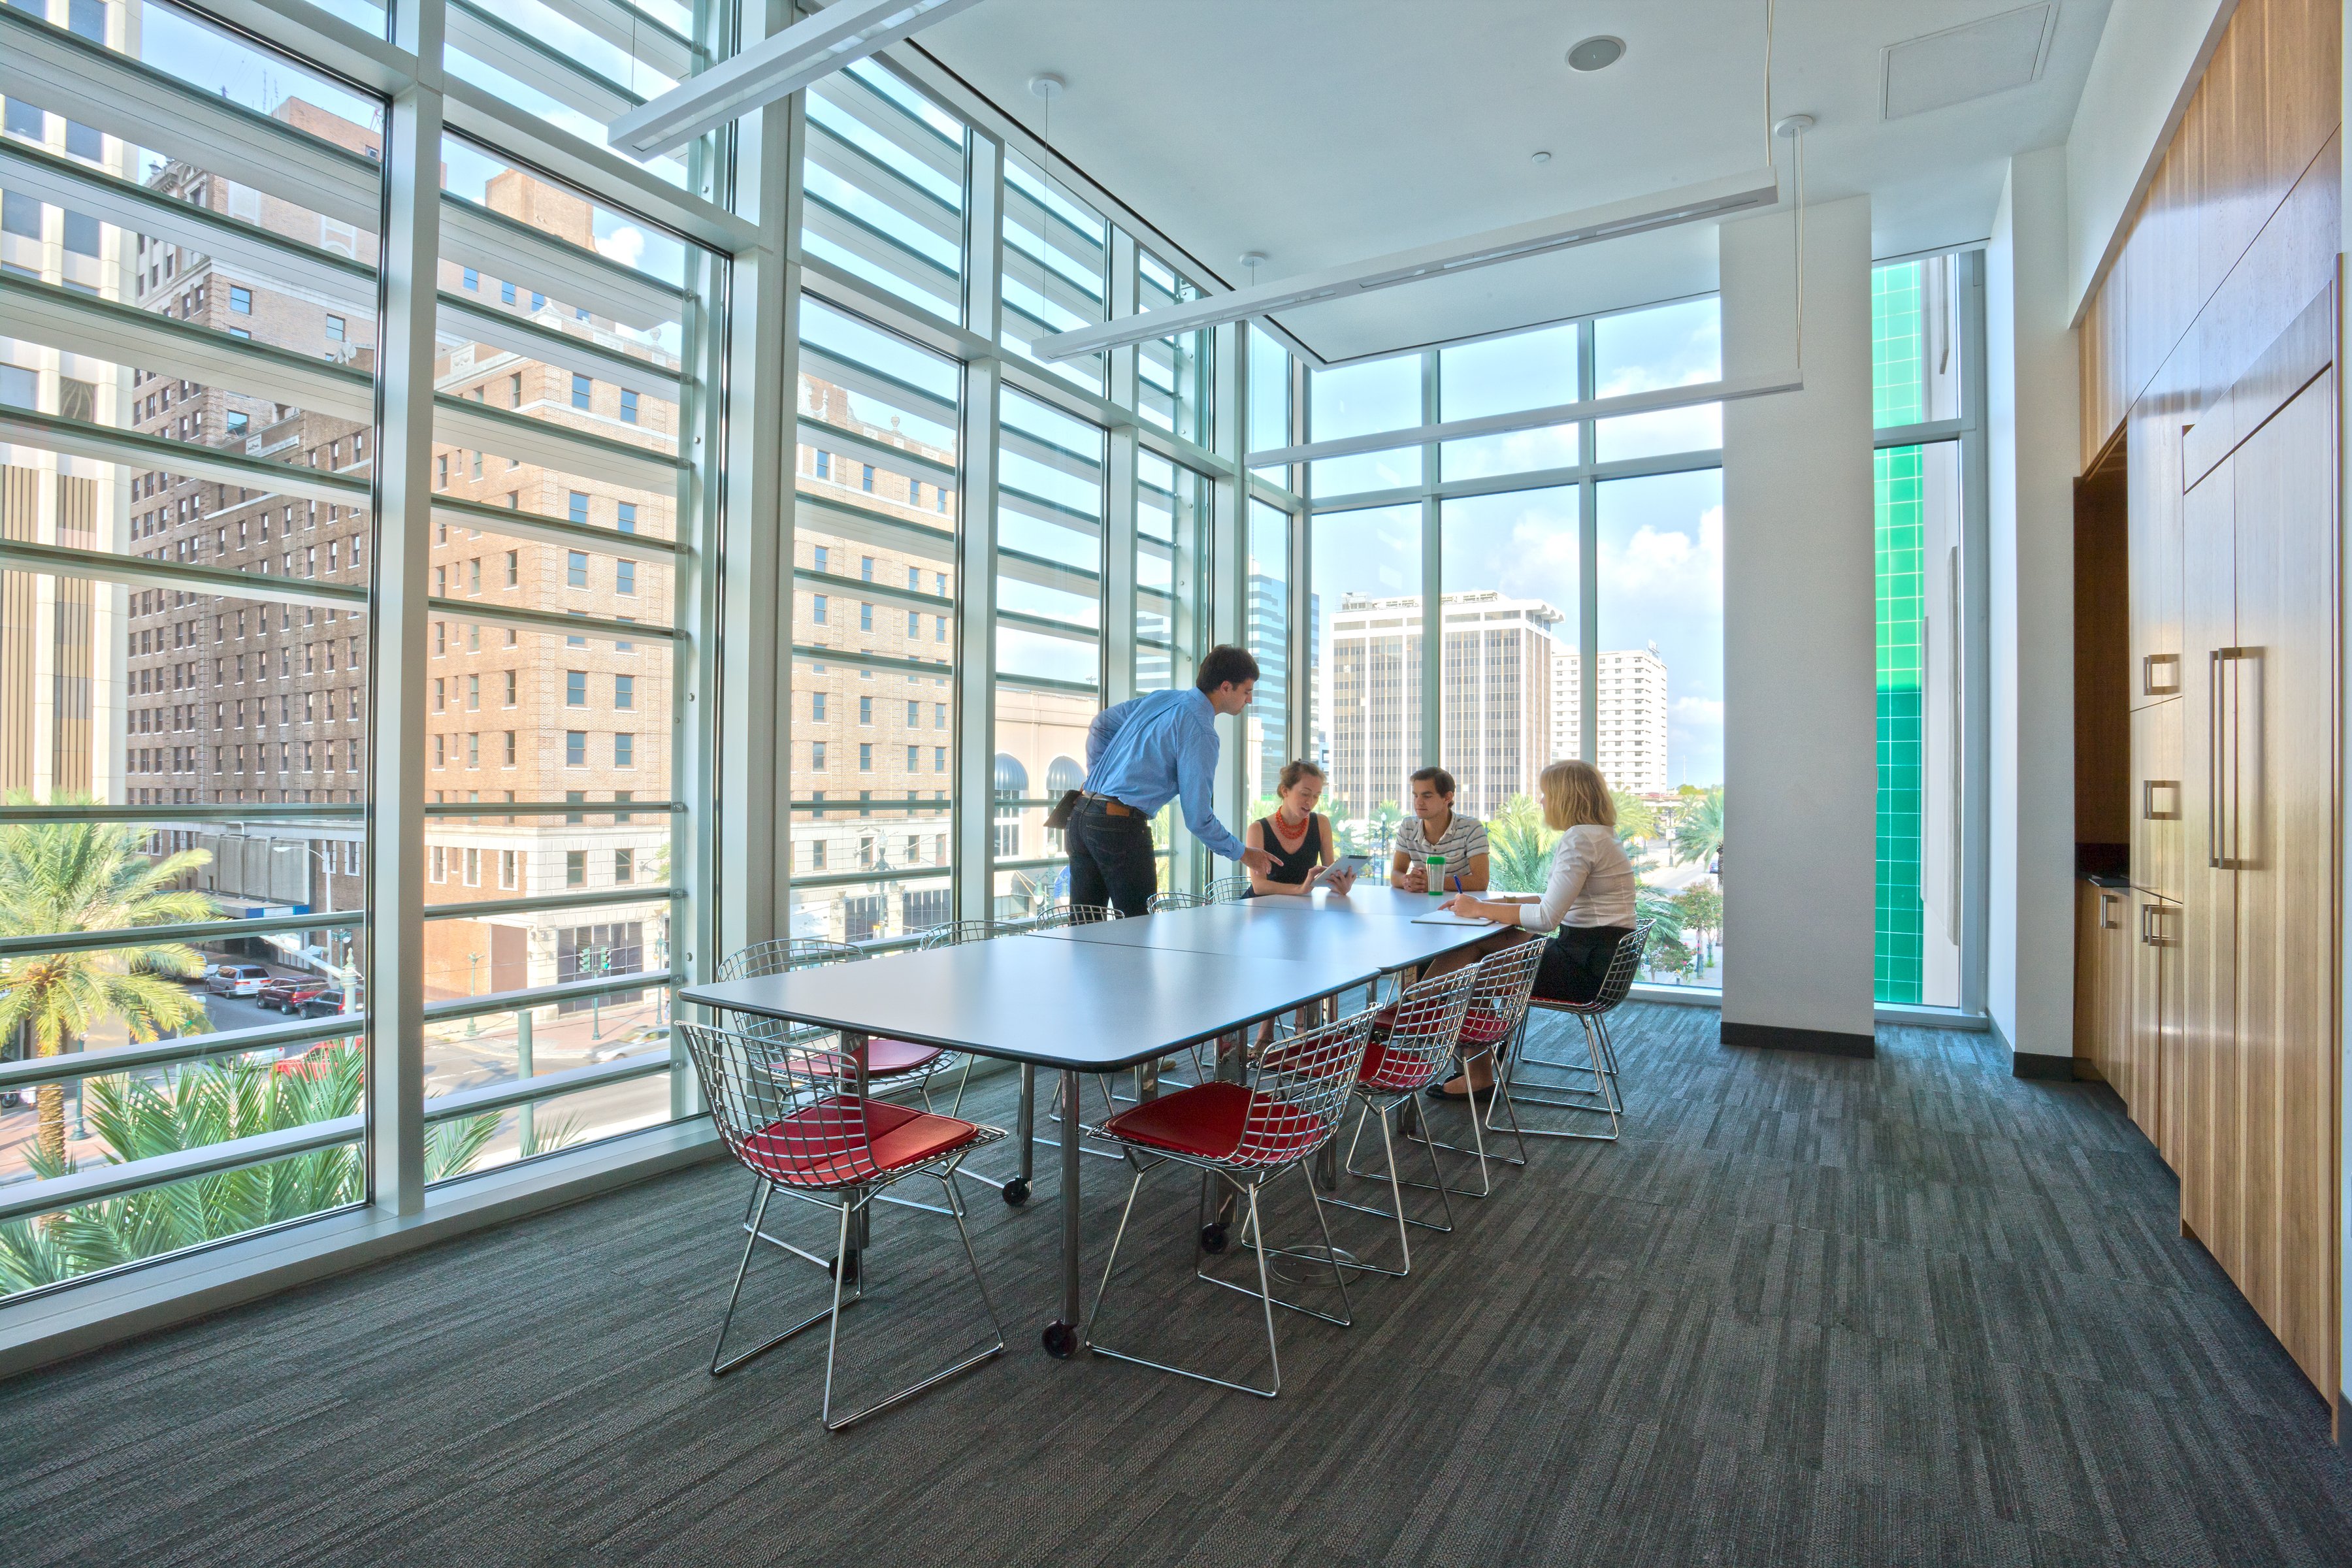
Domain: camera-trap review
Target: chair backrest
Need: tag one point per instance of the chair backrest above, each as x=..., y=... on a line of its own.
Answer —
x=1062, y=915
x=1302, y=1084
x=1624, y=965
x=779, y=1111
x=1506, y=978
x=1425, y=1026
x=1227, y=891
x=778, y=954
x=955, y=934
x=1158, y=901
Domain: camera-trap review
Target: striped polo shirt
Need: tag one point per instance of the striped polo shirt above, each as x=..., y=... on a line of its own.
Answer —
x=1464, y=837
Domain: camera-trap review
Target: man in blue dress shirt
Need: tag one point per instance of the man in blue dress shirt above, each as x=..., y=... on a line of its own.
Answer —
x=1140, y=754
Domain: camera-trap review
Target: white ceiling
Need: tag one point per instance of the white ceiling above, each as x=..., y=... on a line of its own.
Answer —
x=1324, y=131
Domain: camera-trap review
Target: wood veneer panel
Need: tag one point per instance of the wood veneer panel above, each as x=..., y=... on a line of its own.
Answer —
x=2209, y=1203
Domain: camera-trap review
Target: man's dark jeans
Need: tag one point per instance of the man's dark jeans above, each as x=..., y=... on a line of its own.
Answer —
x=1111, y=860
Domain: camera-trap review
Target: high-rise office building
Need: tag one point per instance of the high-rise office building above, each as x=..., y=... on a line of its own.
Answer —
x=1496, y=696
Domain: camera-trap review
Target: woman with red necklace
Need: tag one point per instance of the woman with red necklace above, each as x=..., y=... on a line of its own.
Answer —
x=1297, y=837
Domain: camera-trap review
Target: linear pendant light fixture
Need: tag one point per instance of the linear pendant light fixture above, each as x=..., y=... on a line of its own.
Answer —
x=1611, y=220
x=809, y=51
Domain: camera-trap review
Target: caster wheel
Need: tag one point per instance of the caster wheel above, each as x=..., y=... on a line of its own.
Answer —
x=1212, y=1237
x=1017, y=1192
x=1059, y=1340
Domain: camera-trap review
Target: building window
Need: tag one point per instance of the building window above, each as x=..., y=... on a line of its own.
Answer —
x=816, y=608
x=473, y=278
x=866, y=709
x=868, y=486
x=575, y=867
x=866, y=756
x=240, y=299
x=510, y=748
x=578, y=506
x=628, y=406
x=625, y=578
x=582, y=387
x=625, y=691
x=335, y=328
x=575, y=689
x=816, y=707
x=816, y=756
x=864, y=617
x=624, y=751
x=508, y=868
x=624, y=866
x=575, y=568
x=514, y=568
x=510, y=688
x=625, y=516
x=575, y=748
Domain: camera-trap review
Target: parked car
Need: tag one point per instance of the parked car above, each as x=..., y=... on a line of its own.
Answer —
x=238, y=980
x=202, y=976
x=329, y=999
x=315, y=1062
x=291, y=994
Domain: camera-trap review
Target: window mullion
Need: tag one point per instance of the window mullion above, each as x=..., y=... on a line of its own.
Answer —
x=1116, y=677
x=412, y=249
x=977, y=437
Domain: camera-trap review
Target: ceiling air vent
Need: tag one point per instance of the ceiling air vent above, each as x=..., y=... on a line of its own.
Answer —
x=1974, y=60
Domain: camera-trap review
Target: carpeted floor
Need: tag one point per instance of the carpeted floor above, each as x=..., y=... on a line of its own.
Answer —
x=1810, y=1311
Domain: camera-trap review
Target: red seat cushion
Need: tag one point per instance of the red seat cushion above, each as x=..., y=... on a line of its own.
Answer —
x=888, y=1057
x=1209, y=1119
x=1481, y=1029
x=1379, y=1072
x=1385, y=1020
x=818, y=1145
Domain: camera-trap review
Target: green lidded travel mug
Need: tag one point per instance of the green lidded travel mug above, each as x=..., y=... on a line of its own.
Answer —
x=1436, y=876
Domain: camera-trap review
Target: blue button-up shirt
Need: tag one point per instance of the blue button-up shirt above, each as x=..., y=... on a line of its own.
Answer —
x=1151, y=748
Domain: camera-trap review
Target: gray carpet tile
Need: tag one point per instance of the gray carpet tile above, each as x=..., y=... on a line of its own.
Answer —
x=1810, y=1311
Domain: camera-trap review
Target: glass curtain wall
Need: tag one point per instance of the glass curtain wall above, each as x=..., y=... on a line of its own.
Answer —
x=1917, y=362
x=190, y=652
x=1579, y=584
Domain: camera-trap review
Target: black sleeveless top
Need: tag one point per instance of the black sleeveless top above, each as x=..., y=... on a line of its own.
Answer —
x=1292, y=865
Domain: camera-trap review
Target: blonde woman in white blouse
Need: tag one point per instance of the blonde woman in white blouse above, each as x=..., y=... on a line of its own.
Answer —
x=1588, y=904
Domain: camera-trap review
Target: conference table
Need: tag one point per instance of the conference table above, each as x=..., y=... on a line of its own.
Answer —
x=1105, y=997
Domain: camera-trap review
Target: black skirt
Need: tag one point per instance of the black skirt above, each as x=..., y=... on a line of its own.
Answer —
x=1576, y=961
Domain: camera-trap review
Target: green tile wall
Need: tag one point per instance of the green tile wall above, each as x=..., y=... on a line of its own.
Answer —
x=1898, y=950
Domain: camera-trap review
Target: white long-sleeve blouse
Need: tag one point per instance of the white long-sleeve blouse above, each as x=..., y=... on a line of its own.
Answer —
x=1592, y=883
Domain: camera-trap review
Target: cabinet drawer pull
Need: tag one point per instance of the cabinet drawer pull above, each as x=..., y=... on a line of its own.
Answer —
x=2151, y=922
x=2147, y=686
x=2147, y=789
x=2107, y=901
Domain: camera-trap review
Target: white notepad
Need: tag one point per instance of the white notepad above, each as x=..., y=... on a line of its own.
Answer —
x=1448, y=917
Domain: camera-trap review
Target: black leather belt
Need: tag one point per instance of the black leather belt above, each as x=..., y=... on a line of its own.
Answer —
x=1113, y=805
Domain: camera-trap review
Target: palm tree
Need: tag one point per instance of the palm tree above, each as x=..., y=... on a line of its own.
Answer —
x=1637, y=819
x=58, y=876
x=1518, y=848
x=1386, y=819
x=209, y=1104
x=1698, y=835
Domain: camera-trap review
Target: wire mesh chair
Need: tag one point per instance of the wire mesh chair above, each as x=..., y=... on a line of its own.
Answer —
x=1496, y=1014
x=1158, y=901
x=1227, y=891
x=1244, y=1136
x=786, y=1119
x=895, y=1063
x=1053, y=917
x=1423, y=1030
x=1606, y=1096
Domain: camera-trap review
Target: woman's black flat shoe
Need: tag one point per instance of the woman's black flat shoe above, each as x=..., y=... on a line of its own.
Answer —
x=1438, y=1092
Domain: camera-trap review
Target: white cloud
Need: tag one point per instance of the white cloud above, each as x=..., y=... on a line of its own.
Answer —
x=1668, y=566
x=1699, y=713
x=625, y=245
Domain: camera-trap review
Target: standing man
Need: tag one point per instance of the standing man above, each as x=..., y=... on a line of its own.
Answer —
x=1139, y=754
x=1435, y=828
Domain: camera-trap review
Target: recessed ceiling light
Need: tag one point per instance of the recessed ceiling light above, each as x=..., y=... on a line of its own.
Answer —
x=1596, y=54
x=1538, y=157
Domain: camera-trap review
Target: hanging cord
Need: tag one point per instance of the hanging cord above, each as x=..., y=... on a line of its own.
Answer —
x=1767, y=83
x=1799, y=140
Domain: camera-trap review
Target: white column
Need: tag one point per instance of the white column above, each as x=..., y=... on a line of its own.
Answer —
x=2032, y=408
x=1798, y=649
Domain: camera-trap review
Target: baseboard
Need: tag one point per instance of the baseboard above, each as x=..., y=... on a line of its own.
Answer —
x=1776, y=1038
x=2032, y=1065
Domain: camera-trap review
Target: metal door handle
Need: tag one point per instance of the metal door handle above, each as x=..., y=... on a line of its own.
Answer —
x=2149, y=915
x=2213, y=757
x=2147, y=789
x=2107, y=901
x=2147, y=686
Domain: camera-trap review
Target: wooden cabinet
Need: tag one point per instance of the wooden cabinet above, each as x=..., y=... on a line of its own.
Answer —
x=2156, y=798
x=2154, y=1022
x=2153, y=457
x=2257, y=1151
x=2103, y=982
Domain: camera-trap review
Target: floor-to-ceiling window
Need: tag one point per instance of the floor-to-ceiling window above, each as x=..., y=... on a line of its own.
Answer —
x=1919, y=372
x=1579, y=591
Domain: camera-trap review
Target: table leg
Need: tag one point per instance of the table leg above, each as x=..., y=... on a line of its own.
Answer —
x=854, y=1046
x=1061, y=1336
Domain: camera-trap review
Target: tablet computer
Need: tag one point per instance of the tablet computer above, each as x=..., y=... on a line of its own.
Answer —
x=1347, y=866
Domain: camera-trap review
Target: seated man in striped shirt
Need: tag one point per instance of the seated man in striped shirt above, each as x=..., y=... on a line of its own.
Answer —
x=1436, y=828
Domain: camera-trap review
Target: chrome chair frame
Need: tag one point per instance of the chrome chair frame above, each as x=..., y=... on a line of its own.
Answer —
x=1606, y=1096
x=1418, y=1048
x=1298, y=1097
x=776, y=1116
x=1172, y=900
x=1506, y=979
x=1227, y=889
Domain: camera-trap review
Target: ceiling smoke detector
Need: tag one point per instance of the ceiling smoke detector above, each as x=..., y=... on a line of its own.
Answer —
x=1596, y=54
